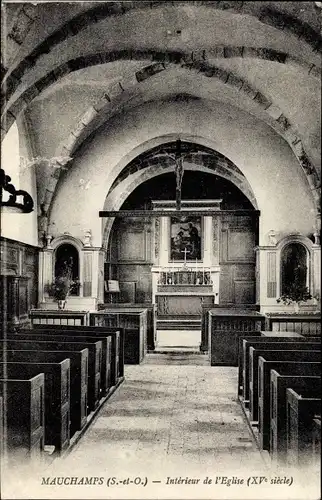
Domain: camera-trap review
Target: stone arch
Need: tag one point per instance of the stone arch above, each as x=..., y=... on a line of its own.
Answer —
x=105, y=104
x=116, y=197
x=266, y=15
x=196, y=62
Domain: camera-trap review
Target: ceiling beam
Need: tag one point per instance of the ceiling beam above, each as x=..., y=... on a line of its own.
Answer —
x=175, y=213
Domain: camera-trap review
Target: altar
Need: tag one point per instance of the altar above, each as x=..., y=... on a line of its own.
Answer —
x=186, y=272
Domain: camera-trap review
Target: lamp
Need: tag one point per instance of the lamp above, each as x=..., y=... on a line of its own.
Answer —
x=27, y=204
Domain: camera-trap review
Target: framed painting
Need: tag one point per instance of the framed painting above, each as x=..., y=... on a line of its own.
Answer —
x=185, y=238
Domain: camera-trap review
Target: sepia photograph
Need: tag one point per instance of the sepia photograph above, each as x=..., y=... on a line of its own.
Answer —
x=160, y=250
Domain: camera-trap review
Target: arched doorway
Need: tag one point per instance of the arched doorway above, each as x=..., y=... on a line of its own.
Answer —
x=137, y=247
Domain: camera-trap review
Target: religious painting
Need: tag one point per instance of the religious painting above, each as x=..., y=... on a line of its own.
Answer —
x=185, y=238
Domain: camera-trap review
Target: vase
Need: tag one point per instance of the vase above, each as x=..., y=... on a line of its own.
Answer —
x=296, y=307
x=61, y=304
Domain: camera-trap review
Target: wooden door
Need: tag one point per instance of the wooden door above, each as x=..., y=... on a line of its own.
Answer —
x=238, y=238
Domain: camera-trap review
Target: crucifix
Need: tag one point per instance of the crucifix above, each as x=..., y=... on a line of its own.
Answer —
x=185, y=251
x=179, y=173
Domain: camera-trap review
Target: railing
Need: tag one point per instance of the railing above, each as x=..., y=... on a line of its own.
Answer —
x=184, y=277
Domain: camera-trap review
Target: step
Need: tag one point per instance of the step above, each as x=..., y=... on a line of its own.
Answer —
x=178, y=325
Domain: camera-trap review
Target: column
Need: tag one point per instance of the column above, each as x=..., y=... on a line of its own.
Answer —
x=164, y=237
x=267, y=278
x=207, y=223
x=45, y=273
x=88, y=288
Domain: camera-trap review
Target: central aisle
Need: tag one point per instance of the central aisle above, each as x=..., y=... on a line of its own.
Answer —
x=167, y=424
x=166, y=433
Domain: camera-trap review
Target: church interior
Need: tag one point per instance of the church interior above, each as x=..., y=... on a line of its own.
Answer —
x=160, y=264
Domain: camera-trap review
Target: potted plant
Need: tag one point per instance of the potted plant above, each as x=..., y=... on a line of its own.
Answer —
x=62, y=287
x=294, y=294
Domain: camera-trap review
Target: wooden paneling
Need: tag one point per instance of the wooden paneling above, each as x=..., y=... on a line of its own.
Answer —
x=237, y=261
x=127, y=289
x=18, y=280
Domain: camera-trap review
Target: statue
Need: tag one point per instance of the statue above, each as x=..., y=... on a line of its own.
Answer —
x=272, y=241
x=88, y=238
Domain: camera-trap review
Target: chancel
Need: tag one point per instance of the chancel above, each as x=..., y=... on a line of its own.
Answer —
x=160, y=245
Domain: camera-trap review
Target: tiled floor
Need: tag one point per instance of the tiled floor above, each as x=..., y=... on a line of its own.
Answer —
x=165, y=422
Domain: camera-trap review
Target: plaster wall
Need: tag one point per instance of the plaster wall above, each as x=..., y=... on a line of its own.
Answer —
x=265, y=159
x=19, y=226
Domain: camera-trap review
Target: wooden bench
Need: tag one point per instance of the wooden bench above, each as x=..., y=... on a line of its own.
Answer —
x=279, y=384
x=288, y=363
x=2, y=435
x=61, y=336
x=226, y=326
x=316, y=442
x=305, y=324
x=134, y=323
x=56, y=317
x=25, y=418
x=78, y=378
x=254, y=354
x=94, y=360
x=300, y=412
x=247, y=344
x=262, y=337
x=249, y=336
x=57, y=397
x=151, y=317
x=117, y=344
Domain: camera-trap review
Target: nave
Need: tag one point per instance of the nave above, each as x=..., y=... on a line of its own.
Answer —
x=169, y=422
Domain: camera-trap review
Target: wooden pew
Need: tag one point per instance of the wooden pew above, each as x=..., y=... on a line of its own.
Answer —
x=2, y=436
x=151, y=317
x=306, y=324
x=259, y=341
x=316, y=441
x=117, y=345
x=248, y=337
x=288, y=363
x=254, y=354
x=25, y=418
x=279, y=384
x=57, y=396
x=78, y=378
x=226, y=326
x=134, y=322
x=300, y=412
x=94, y=360
x=53, y=334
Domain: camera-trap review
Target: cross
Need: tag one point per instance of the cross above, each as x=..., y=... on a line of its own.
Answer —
x=185, y=251
x=179, y=173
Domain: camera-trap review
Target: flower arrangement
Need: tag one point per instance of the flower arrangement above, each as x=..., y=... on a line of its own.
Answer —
x=63, y=286
x=296, y=290
x=295, y=293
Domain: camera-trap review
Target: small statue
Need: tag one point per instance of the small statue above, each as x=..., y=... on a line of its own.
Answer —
x=316, y=235
x=272, y=241
x=49, y=239
x=88, y=238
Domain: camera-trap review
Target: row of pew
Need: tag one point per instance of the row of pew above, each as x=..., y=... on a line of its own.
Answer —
x=53, y=379
x=279, y=388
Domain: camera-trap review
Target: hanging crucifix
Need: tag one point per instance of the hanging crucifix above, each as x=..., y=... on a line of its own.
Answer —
x=179, y=173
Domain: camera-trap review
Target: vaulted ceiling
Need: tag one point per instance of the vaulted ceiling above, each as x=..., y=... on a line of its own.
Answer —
x=68, y=68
